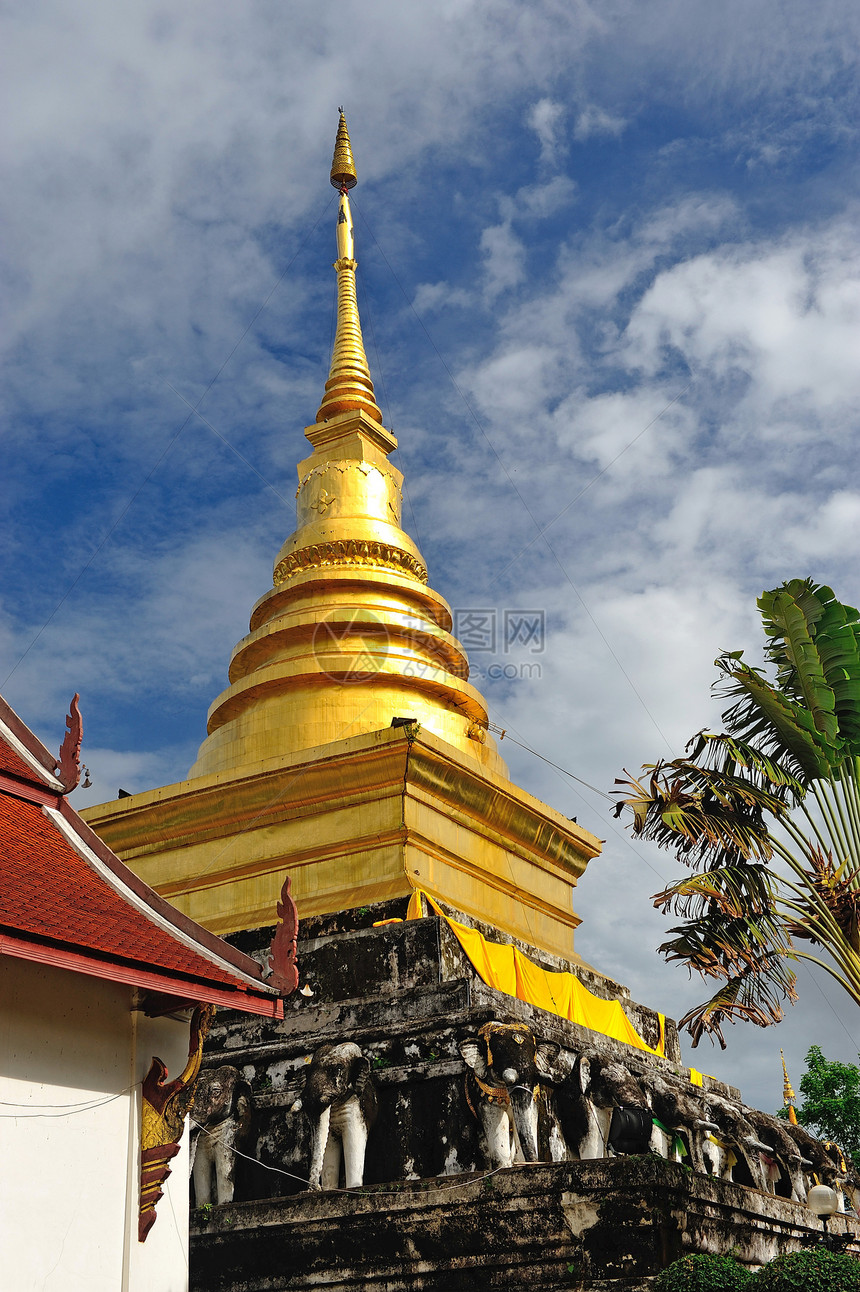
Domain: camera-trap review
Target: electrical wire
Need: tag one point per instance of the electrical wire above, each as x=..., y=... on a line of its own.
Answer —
x=813, y=978
x=62, y=1110
x=612, y=828
x=367, y=1190
x=232, y=447
x=563, y=770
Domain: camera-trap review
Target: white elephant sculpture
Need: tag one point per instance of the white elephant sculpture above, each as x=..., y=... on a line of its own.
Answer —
x=597, y=1092
x=784, y=1162
x=223, y=1108
x=506, y=1064
x=681, y=1125
x=735, y=1145
x=340, y=1102
x=824, y=1163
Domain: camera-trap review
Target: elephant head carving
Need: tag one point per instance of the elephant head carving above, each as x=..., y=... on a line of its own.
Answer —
x=223, y=1108
x=783, y=1163
x=682, y=1125
x=340, y=1102
x=823, y=1163
x=506, y=1065
x=587, y=1100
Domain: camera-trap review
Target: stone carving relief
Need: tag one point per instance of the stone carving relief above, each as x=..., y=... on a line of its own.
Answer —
x=526, y=1100
x=782, y=1160
x=738, y=1146
x=824, y=1163
x=340, y=1102
x=589, y=1097
x=506, y=1065
x=223, y=1107
x=682, y=1129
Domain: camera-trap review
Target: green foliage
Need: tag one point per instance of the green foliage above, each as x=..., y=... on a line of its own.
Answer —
x=814, y=1270
x=703, y=1274
x=740, y=799
x=831, y=1107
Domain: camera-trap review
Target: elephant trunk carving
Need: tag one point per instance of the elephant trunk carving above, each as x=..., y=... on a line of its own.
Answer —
x=223, y=1109
x=506, y=1065
x=340, y=1102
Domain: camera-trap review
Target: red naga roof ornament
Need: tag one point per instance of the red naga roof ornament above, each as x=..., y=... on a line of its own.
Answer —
x=283, y=964
x=68, y=765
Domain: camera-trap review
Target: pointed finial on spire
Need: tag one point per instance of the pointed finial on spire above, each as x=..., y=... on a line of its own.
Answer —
x=343, y=174
x=788, y=1095
x=349, y=385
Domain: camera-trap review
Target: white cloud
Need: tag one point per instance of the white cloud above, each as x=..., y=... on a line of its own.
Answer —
x=504, y=259
x=439, y=296
x=114, y=769
x=546, y=118
x=592, y=120
x=537, y=201
x=787, y=314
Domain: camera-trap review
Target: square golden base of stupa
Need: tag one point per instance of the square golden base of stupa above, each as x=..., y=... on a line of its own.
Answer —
x=353, y=823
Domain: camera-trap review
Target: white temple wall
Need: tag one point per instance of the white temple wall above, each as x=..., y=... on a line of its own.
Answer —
x=69, y=1174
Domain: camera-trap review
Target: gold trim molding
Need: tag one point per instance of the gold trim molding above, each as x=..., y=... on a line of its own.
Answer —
x=349, y=551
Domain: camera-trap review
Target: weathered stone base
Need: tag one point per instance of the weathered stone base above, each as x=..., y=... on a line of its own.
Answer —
x=430, y=1217
x=607, y=1226
x=405, y=994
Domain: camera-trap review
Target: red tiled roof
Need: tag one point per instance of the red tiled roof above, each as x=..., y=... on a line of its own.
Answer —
x=50, y=891
x=65, y=898
x=13, y=763
x=40, y=770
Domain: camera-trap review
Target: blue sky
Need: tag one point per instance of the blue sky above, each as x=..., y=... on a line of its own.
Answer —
x=609, y=271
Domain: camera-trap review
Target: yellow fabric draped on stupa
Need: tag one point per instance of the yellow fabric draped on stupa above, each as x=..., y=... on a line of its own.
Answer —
x=505, y=968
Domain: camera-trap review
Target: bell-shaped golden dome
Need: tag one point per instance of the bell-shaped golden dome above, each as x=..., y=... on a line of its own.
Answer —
x=350, y=636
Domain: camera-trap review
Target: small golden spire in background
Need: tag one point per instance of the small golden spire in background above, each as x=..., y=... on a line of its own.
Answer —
x=788, y=1095
x=349, y=385
x=342, y=166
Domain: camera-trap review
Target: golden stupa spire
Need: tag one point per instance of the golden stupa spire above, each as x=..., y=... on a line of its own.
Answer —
x=349, y=385
x=350, y=635
x=349, y=748
x=788, y=1095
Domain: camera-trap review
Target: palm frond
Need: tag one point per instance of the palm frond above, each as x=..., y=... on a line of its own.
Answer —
x=790, y=615
x=838, y=640
x=789, y=757
x=708, y=817
x=773, y=723
x=736, y=892
x=754, y=998
x=733, y=757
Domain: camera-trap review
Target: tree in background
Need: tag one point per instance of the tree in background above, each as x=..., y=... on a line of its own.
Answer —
x=766, y=816
x=831, y=1107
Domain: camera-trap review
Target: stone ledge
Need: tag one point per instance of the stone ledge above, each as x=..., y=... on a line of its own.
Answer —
x=607, y=1226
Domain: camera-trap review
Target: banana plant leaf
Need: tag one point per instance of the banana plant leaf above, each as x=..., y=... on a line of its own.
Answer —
x=736, y=805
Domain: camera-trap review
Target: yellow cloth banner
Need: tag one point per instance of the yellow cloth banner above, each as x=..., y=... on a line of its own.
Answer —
x=507, y=969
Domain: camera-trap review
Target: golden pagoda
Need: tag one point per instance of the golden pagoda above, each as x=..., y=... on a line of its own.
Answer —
x=350, y=750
